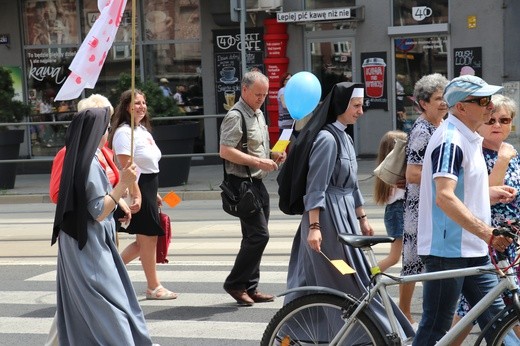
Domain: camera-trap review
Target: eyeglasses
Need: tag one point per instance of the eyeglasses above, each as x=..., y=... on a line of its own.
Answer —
x=481, y=101
x=504, y=121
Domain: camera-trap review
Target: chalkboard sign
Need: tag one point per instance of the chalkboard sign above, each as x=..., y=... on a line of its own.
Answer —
x=228, y=58
x=471, y=57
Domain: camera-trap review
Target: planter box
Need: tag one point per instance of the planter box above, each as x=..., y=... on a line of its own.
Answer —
x=175, y=139
x=10, y=141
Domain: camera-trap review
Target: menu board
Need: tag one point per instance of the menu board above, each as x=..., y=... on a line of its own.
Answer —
x=471, y=57
x=228, y=62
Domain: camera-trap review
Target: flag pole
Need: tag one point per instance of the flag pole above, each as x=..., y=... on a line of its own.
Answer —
x=132, y=83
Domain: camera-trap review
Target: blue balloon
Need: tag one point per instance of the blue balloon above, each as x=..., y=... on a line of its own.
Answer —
x=302, y=94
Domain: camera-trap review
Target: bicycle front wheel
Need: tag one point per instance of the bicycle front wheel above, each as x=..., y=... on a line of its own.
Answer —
x=507, y=330
x=316, y=319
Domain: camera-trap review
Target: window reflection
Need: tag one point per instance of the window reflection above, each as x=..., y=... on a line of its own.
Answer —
x=46, y=71
x=172, y=20
x=414, y=58
x=167, y=41
x=50, y=22
x=427, y=12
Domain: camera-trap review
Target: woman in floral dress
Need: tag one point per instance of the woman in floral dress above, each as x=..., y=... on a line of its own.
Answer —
x=428, y=97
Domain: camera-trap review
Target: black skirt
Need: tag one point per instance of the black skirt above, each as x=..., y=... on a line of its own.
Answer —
x=146, y=221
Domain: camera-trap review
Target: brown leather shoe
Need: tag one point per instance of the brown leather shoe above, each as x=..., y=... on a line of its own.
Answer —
x=259, y=297
x=241, y=297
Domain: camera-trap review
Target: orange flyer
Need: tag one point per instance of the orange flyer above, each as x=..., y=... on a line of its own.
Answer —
x=172, y=199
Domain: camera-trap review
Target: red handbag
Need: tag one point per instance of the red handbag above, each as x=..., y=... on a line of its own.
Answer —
x=163, y=241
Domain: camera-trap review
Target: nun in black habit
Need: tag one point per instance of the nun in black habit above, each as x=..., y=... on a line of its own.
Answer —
x=332, y=203
x=96, y=303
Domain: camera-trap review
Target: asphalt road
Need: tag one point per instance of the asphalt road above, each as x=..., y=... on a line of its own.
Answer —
x=204, y=245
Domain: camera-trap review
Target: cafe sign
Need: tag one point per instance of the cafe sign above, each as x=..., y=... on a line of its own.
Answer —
x=314, y=15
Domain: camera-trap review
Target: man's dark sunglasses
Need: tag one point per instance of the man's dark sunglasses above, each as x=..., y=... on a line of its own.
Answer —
x=481, y=101
x=505, y=121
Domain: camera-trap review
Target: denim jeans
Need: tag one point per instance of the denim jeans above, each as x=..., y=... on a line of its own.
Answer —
x=440, y=296
x=394, y=219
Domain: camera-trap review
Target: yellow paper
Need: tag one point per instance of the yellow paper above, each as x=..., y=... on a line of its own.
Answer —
x=340, y=265
x=280, y=146
x=343, y=267
x=172, y=199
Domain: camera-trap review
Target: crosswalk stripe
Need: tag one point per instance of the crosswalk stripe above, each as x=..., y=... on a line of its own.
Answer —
x=175, y=275
x=158, y=329
x=24, y=325
x=210, y=330
x=215, y=300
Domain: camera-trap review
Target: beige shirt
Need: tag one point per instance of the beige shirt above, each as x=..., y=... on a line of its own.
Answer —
x=257, y=137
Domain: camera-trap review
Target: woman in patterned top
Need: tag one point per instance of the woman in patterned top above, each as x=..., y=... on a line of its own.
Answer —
x=428, y=97
x=503, y=165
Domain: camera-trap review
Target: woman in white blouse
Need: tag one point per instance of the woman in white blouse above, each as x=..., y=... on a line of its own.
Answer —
x=145, y=223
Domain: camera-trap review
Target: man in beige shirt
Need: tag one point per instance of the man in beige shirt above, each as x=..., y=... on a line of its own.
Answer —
x=243, y=280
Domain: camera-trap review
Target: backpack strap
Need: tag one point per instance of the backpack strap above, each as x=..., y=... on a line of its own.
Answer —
x=335, y=135
x=243, y=145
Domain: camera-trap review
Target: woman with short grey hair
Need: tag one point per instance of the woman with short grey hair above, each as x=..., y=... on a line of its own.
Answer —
x=428, y=96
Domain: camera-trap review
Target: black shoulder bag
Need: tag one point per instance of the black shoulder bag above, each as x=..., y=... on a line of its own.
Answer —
x=246, y=201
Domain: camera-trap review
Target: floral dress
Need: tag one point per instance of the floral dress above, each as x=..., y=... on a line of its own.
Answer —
x=501, y=212
x=418, y=140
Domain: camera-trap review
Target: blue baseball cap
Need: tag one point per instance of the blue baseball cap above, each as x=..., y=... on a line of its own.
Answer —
x=461, y=87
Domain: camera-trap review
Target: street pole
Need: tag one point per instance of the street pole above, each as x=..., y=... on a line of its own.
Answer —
x=243, y=35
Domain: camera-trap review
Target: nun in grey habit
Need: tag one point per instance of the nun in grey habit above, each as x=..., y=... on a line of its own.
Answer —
x=96, y=303
x=333, y=203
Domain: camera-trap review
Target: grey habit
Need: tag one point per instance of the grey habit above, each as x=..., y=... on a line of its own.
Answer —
x=332, y=186
x=97, y=304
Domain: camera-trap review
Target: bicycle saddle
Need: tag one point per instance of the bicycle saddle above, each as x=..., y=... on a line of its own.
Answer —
x=358, y=241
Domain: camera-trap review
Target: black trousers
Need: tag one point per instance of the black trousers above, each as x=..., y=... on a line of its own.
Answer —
x=255, y=235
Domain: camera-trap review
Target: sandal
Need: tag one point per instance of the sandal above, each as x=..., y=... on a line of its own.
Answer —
x=154, y=295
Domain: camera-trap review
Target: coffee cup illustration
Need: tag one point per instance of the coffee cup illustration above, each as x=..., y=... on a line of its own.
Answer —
x=158, y=23
x=229, y=96
x=374, y=72
x=228, y=73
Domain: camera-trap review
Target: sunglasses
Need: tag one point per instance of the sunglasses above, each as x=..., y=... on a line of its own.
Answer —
x=481, y=101
x=504, y=121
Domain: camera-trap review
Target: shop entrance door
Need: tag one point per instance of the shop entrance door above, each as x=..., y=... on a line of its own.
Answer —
x=330, y=59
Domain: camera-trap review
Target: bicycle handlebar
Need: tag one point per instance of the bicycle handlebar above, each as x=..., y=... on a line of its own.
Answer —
x=508, y=229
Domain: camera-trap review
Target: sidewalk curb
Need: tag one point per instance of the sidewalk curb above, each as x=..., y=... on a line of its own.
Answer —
x=22, y=199
x=40, y=198
x=184, y=195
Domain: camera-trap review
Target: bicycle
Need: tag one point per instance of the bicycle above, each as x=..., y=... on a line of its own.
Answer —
x=326, y=316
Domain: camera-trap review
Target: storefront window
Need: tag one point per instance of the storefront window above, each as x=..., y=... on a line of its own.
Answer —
x=420, y=12
x=46, y=71
x=50, y=22
x=316, y=4
x=179, y=63
x=91, y=12
x=168, y=44
x=331, y=62
x=414, y=58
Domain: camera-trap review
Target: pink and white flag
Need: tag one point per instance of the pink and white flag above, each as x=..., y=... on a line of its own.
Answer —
x=88, y=62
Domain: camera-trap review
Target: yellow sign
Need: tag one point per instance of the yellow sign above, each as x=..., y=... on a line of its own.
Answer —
x=343, y=267
x=472, y=22
x=340, y=265
x=283, y=141
x=280, y=146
